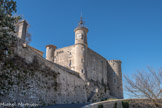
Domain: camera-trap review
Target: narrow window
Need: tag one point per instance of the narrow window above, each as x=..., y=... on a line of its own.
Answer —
x=115, y=81
x=70, y=55
x=70, y=63
x=82, y=60
x=82, y=37
x=114, y=74
x=82, y=70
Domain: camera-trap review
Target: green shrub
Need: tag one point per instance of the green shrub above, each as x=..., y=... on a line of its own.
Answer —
x=115, y=105
x=125, y=104
x=100, y=106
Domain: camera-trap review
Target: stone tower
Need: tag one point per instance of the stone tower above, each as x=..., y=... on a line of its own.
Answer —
x=50, y=49
x=22, y=29
x=116, y=78
x=80, y=49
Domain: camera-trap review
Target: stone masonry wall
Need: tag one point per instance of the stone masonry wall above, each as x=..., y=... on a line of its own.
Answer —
x=96, y=67
x=29, y=78
x=115, y=78
x=65, y=57
x=125, y=103
x=97, y=76
x=97, y=89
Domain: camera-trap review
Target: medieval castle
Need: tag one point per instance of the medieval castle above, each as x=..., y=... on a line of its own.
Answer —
x=98, y=78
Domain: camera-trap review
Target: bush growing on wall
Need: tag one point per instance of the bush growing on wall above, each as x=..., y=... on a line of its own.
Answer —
x=7, y=28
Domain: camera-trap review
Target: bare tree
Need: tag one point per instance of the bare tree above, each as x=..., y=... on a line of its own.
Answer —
x=147, y=85
x=28, y=38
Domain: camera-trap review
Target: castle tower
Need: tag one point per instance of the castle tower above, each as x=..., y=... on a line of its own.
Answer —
x=115, y=77
x=22, y=29
x=80, y=49
x=50, y=49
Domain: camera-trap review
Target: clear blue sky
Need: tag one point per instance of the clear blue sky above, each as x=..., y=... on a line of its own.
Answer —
x=128, y=30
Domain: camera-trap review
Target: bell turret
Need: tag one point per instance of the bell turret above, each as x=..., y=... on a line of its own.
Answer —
x=80, y=61
x=81, y=33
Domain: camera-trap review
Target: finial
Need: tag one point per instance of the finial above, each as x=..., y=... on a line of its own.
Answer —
x=81, y=14
x=81, y=23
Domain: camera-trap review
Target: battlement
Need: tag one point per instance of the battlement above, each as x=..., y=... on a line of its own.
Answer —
x=111, y=61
